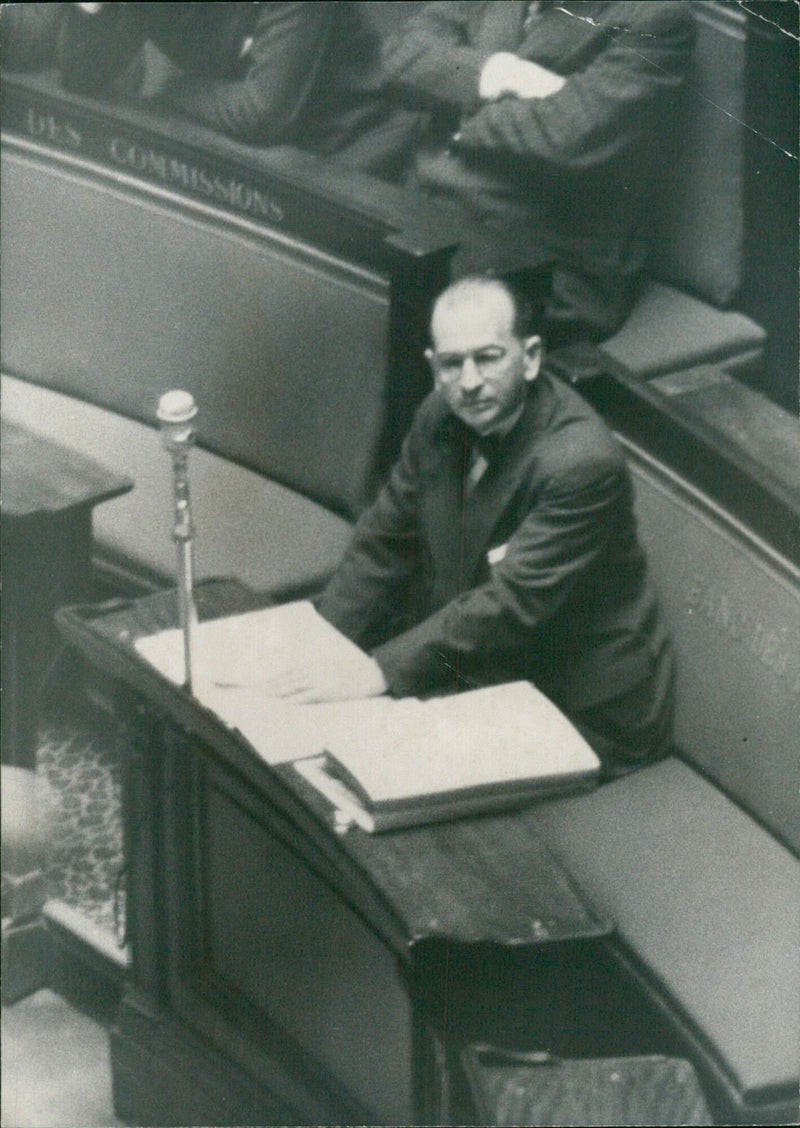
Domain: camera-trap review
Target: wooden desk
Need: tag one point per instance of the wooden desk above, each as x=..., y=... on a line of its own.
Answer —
x=286, y=974
x=49, y=493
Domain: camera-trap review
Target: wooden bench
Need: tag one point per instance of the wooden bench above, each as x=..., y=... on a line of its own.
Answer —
x=695, y=857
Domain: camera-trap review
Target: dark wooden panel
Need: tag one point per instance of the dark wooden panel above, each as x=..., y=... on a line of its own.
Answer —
x=304, y=957
x=486, y=879
x=770, y=269
x=48, y=496
x=142, y=253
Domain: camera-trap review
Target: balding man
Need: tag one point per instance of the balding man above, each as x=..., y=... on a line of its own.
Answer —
x=504, y=546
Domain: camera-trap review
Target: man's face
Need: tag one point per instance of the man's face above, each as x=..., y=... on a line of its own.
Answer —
x=479, y=364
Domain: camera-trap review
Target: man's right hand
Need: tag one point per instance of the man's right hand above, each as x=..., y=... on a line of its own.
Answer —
x=507, y=74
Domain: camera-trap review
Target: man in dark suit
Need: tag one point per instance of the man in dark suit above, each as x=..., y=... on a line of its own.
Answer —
x=270, y=73
x=548, y=123
x=504, y=546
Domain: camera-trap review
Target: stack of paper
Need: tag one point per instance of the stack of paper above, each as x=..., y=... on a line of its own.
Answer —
x=391, y=762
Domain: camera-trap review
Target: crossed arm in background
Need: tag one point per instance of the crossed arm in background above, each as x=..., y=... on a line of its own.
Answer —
x=610, y=72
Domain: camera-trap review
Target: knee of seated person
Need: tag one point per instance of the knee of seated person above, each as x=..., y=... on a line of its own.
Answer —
x=623, y=758
x=624, y=746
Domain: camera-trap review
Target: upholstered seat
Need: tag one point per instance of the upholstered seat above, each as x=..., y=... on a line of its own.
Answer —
x=707, y=900
x=685, y=317
x=669, y=330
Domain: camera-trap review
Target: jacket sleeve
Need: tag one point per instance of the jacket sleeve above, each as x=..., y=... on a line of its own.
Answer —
x=431, y=58
x=600, y=112
x=551, y=550
x=289, y=43
x=366, y=593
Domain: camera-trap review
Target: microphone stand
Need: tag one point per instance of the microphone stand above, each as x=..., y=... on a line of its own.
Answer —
x=176, y=410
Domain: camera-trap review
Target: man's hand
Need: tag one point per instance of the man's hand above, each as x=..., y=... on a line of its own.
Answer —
x=507, y=74
x=311, y=684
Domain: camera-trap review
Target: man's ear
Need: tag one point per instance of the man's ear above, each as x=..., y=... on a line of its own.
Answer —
x=428, y=354
x=533, y=357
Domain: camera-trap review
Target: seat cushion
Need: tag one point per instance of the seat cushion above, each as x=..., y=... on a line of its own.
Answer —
x=706, y=899
x=268, y=536
x=669, y=330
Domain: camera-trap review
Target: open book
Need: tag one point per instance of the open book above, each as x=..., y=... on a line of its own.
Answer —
x=383, y=763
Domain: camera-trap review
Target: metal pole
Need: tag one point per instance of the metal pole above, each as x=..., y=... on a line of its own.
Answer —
x=176, y=410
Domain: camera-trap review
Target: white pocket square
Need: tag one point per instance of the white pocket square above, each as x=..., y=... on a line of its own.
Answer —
x=495, y=555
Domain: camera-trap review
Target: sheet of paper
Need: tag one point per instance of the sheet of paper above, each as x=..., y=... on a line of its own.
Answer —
x=280, y=732
x=234, y=657
x=493, y=735
x=248, y=649
x=396, y=749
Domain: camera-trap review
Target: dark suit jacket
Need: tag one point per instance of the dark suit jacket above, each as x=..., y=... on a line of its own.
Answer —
x=537, y=574
x=572, y=171
x=304, y=73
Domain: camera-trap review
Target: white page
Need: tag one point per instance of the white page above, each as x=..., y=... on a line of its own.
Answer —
x=234, y=656
x=494, y=735
x=248, y=649
x=394, y=748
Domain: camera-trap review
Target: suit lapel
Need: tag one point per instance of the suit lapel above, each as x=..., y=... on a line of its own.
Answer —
x=488, y=503
x=460, y=529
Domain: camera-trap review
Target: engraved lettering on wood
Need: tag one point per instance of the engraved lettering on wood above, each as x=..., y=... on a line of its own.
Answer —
x=47, y=127
x=156, y=164
x=771, y=645
x=148, y=161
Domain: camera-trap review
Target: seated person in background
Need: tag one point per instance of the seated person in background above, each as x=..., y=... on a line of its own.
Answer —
x=504, y=547
x=547, y=121
x=264, y=73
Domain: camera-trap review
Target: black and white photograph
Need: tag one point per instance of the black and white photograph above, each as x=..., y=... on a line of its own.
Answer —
x=400, y=497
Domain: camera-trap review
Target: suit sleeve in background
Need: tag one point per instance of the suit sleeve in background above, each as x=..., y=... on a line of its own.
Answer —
x=431, y=57
x=288, y=47
x=601, y=112
x=248, y=69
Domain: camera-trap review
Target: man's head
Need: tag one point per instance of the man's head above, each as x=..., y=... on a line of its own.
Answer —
x=482, y=361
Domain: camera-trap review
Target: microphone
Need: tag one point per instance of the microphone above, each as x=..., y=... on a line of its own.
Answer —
x=176, y=411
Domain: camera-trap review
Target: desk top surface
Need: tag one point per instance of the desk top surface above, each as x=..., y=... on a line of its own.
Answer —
x=39, y=476
x=473, y=880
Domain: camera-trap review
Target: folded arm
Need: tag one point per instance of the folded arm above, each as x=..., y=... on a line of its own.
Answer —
x=510, y=105
x=431, y=58
x=598, y=113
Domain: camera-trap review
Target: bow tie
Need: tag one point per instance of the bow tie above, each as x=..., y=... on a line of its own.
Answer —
x=482, y=451
x=487, y=446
